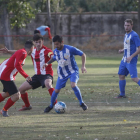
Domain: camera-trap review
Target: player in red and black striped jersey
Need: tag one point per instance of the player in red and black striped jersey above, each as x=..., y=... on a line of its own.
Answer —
x=8, y=70
x=43, y=77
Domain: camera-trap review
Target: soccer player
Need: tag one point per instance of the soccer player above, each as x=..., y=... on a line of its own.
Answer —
x=67, y=69
x=129, y=61
x=8, y=70
x=40, y=55
x=43, y=30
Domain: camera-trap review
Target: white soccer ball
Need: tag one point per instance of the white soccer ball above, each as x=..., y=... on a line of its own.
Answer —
x=60, y=107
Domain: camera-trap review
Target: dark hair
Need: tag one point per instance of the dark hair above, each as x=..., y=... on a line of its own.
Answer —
x=36, y=31
x=129, y=21
x=57, y=38
x=49, y=26
x=37, y=37
x=28, y=44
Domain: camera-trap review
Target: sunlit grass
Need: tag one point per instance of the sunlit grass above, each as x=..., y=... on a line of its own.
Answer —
x=107, y=118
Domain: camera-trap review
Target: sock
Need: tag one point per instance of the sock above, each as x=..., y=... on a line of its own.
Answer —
x=138, y=83
x=51, y=91
x=8, y=104
x=53, y=98
x=25, y=99
x=1, y=98
x=78, y=94
x=122, y=84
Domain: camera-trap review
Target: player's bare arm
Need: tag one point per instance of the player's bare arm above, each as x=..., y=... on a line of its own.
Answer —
x=5, y=50
x=128, y=59
x=49, y=62
x=29, y=79
x=121, y=51
x=83, y=69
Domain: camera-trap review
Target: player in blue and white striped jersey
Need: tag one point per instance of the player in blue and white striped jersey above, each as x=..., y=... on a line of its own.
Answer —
x=129, y=61
x=67, y=69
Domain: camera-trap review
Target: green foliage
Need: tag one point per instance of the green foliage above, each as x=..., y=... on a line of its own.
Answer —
x=100, y=5
x=21, y=12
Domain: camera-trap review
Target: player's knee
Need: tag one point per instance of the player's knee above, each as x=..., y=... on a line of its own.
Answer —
x=48, y=84
x=73, y=85
x=122, y=77
x=135, y=79
x=57, y=91
x=18, y=95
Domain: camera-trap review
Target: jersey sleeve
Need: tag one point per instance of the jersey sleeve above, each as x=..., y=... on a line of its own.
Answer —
x=76, y=51
x=54, y=56
x=18, y=63
x=49, y=32
x=136, y=40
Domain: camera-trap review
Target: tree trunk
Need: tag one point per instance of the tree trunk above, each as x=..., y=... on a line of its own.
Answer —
x=139, y=18
x=56, y=20
x=6, y=29
x=49, y=12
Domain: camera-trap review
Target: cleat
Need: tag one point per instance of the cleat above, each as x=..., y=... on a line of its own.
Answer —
x=84, y=106
x=48, y=109
x=120, y=96
x=25, y=108
x=4, y=113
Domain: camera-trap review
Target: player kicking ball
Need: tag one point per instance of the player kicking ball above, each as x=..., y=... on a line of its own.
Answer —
x=67, y=69
x=8, y=70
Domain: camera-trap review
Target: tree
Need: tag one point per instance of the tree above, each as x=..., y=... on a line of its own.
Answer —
x=21, y=12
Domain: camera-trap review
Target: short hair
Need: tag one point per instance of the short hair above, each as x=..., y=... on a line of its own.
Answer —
x=37, y=37
x=28, y=44
x=36, y=31
x=49, y=26
x=57, y=38
x=129, y=21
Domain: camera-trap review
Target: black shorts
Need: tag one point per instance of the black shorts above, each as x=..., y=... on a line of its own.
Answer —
x=39, y=80
x=9, y=86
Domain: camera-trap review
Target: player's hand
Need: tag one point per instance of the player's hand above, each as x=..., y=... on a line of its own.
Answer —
x=128, y=59
x=4, y=50
x=44, y=66
x=83, y=69
x=121, y=51
x=29, y=79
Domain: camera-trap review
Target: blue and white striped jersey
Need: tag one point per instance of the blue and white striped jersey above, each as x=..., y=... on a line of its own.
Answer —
x=66, y=60
x=131, y=44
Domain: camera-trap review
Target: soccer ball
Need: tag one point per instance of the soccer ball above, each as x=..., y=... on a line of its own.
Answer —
x=60, y=107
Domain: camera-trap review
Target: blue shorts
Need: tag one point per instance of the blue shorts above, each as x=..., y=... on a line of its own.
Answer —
x=126, y=68
x=61, y=83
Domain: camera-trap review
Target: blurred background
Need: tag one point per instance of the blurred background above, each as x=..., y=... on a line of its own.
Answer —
x=91, y=25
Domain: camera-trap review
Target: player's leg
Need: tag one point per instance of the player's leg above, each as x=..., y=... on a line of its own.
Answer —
x=59, y=84
x=11, y=88
x=74, y=79
x=122, y=84
x=48, y=84
x=123, y=72
x=3, y=95
x=35, y=83
x=24, y=96
x=133, y=73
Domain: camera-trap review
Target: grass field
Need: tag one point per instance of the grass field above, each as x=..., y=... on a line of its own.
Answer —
x=106, y=119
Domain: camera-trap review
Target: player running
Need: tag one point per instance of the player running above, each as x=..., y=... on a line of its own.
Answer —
x=129, y=61
x=43, y=30
x=8, y=70
x=67, y=69
x=40, y=55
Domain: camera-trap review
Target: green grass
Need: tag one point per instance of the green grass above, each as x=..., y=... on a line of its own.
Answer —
x=106, y=119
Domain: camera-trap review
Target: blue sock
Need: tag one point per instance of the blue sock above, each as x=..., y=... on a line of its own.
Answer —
x=138, y=83
x=78, y=94
x=53, y=98
x=122, y=84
